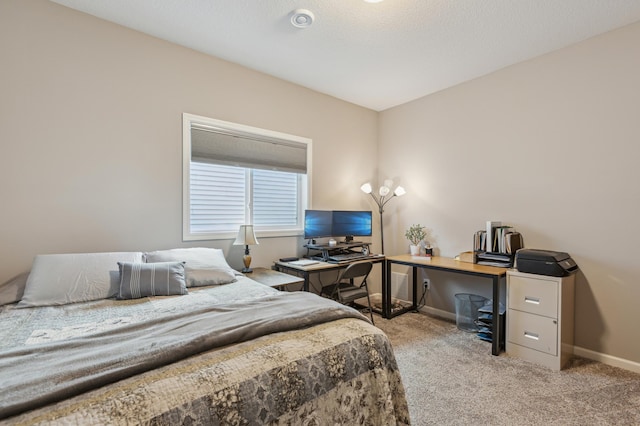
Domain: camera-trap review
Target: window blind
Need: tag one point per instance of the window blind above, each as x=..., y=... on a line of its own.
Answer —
x=212, y=145
x=275, y=199
x=223, y=198
x=217, y=198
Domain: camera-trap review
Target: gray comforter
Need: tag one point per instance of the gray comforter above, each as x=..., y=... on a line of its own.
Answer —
x=39, y=374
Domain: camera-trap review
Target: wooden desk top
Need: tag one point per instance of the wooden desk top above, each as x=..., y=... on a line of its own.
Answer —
x=437, y=262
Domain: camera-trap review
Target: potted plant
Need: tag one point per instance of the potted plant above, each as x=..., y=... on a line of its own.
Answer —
x=415, y=234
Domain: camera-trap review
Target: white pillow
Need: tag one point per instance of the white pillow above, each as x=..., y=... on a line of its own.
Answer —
x=12, y=290
x=58, y=279
x=203, y=266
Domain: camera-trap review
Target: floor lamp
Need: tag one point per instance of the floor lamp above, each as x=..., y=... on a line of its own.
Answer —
x=381, y=200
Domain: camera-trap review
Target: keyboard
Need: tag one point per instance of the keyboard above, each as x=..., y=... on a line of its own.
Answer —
x=347, y=256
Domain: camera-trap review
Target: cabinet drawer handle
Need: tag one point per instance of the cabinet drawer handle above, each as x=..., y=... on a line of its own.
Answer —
x=530, y=335
x=533, y=300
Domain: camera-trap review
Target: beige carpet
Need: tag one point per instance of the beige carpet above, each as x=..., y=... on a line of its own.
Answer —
x=451, y=379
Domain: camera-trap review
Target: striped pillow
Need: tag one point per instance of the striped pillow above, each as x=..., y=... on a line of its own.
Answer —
x=151, y=279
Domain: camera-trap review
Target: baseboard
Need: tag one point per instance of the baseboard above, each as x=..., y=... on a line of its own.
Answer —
x=607, y=359
x=451, y=316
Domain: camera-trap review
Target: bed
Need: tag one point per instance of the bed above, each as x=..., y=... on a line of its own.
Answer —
x=178, y=337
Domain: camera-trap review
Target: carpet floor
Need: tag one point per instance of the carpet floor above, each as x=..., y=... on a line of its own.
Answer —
x=451, y=378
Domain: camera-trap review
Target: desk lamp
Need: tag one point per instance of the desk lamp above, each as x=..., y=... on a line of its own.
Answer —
x=246, y=237
x=381, y=199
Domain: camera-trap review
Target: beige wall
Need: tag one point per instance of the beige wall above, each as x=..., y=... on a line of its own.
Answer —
x=550, y=146
x=91, y=139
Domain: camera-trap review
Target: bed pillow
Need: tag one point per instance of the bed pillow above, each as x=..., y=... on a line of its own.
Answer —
x=209, y=276
x=151, y=279
x=12, y=290
x=203, y=266
x=58, y=279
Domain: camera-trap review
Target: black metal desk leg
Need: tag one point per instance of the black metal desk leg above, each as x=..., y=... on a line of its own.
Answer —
x=414, y=305
x=497, y=330
x=386, y=292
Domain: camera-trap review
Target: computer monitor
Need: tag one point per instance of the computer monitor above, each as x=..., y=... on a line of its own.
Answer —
x=337, y=223
x=350, y=224
x=317, y=223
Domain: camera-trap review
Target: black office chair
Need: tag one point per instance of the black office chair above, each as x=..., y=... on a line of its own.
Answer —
x=345, y=290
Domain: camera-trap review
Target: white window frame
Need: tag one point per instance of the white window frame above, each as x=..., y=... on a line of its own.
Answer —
x=188, y=120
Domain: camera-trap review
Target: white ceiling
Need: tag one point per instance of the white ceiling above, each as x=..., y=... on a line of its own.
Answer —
x=375, y=55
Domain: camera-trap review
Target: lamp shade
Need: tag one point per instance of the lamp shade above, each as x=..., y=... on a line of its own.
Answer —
x=246, y=236
x=399, y=192
x=366, y=188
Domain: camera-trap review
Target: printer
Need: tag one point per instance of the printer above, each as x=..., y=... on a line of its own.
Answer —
x=545, y=262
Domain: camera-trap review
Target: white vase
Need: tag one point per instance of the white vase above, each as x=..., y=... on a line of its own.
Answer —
x=415, y=250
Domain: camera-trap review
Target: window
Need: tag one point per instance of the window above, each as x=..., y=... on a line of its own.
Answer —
x=235, y=175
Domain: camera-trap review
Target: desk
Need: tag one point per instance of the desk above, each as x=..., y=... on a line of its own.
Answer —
x=273, y=278
x=447, y=265
x=316, y=268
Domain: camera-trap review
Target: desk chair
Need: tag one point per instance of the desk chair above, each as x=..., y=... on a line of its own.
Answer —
x=345, y=291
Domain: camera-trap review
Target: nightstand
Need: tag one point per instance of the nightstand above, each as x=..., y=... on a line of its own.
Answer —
x=273, y=278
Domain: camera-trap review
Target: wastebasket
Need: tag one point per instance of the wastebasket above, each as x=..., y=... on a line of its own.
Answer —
x=467, y=306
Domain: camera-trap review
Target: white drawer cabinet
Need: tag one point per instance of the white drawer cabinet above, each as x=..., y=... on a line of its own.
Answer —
x=540, y=318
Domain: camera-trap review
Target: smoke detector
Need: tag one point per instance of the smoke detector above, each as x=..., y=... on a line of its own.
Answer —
x=302, y=18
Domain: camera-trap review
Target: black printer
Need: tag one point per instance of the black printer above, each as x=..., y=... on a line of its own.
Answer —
x=545, y=262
